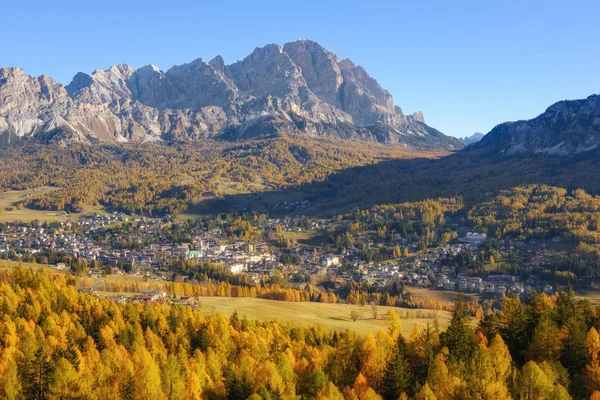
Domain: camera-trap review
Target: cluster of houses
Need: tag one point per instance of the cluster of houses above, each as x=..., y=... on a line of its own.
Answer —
x=258, y=261
x=155, y=296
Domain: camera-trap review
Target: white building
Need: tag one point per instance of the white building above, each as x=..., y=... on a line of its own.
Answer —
x=329, y=261
x=474, y=239
x=234, y=268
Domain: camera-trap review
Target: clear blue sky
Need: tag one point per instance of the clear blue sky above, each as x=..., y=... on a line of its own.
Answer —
x=468, y=65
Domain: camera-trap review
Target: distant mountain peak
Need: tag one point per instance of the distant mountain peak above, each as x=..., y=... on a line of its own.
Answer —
x=6, y=72
x=418, y=116
x=304, y=87
x=218, y=63
x=474, y=138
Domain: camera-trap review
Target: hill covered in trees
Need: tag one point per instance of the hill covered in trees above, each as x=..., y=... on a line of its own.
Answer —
x=58, y=343
x=473, y=175
x=333, y=175
x=158, y=179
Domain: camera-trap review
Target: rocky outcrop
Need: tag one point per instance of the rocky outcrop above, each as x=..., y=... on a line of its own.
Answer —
x=417, y=117
x=474, y=138
x=28, y=103
x=101, y=87
x=566, y=128
x=300, y=88
x=319, y=68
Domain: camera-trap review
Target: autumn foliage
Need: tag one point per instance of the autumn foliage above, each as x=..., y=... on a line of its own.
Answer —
x=58, y=343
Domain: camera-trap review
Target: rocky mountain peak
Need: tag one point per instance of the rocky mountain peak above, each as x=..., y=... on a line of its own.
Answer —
x=218, y=63
x=347, y=64
x=268, y=71
x=124, y=70
x=418, y=116
x=10, y=72
x=102, y=86
x=474, y=138
x=80, y=80
x=566, y=128
x=267, y=50
x=147, y=73
x=298, y=88
x=319, y=69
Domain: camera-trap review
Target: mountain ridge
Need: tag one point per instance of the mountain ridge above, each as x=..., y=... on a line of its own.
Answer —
x=297, y=88
x=566, y=128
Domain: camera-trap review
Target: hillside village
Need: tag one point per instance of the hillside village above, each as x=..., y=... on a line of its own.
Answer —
x=145, y=251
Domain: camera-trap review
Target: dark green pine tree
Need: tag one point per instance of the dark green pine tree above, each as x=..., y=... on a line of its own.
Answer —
x=490, y=326
x=3, y=307
x=459, y=338
x=71, y=352
x=36, y=376
x=574, y=356
x=565, y=306
x=334, y=338
x=398, y=377
x=573, y=353
x=515, y=328
x=234, y=321
x=239, y=389
x=128, y=391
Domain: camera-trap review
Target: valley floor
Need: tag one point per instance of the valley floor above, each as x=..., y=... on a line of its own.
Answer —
x=329, y=316
x=10, y=212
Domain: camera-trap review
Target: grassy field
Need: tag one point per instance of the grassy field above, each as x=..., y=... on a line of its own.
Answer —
x=11, y=198
x=123, y=278
x=5, y=264
x=438, y=295
x=329, y=316
x=308, y=238
x=591, y=295
x=496, y=267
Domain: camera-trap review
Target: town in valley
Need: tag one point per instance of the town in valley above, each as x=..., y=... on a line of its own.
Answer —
x=289, y=251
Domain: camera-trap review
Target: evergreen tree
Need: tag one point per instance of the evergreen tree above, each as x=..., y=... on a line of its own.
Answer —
x=398, y=376
x=36, y=376
x=234, y=321
x=515, y=328
x=316, y=381
x=574, y=354
x=71, y=353
x=239, y=388
x=565, y=306
x=128, y=390
x=459, y=338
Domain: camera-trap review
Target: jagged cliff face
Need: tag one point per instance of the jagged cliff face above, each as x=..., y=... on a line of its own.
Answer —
x=474, y=138
x=300, y=88
x=566, y=128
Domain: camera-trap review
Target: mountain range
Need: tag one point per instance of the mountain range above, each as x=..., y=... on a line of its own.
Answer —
x=566, y=128
x=474, y=138
x=298, y=88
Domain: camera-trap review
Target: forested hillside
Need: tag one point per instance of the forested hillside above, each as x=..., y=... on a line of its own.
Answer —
x=58, y=343
x=538, y=211
x=154, y=179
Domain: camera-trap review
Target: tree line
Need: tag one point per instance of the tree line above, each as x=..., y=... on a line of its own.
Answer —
x=58, y=343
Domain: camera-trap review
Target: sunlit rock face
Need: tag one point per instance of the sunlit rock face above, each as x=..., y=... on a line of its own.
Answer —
x=300, y=88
